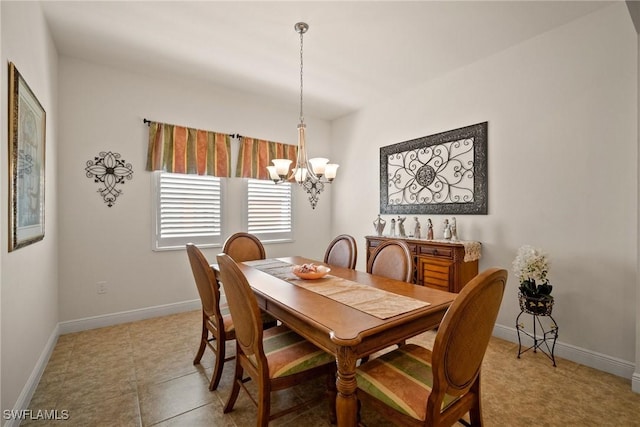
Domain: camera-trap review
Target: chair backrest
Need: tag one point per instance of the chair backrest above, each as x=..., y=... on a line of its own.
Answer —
x=244, y=309
x=244, y=247
x=205, y=281
x=464, y=334
x=392, y=259
x=342, y=252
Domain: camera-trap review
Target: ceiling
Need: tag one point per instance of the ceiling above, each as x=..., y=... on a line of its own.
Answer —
x=355, y=53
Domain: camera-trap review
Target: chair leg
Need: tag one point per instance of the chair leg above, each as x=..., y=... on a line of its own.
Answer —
x=475, y=412
x=264, y=405
x=203, y=342
x=219, y=364
x=235, y=390
x=475, y=417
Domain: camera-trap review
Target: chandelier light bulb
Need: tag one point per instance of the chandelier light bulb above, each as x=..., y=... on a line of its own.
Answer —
x=281, y=166
x=318, y=165
x=330, y=171
x=301, y=175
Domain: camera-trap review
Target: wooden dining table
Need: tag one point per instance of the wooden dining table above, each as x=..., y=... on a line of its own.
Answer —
x=340, y=329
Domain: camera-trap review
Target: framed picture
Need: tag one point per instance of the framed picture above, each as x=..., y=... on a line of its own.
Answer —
x=445, y=173
x=27, y=120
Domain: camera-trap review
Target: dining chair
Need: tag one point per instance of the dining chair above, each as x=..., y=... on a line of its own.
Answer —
x=244, y=247
x=275, y=358
x=247, y=247
x=392, y=259
x=414, y=386
x=342, y=252
x=217, y=326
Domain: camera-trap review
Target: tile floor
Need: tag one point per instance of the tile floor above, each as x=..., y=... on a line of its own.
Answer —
x=141, y=374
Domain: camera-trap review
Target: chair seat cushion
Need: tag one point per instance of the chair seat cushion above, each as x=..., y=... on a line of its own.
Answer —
x=401, y=379
x=288, y=353
x=226, y=319
x=229, y=329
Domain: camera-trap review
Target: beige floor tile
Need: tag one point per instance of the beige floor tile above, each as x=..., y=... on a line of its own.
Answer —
x=165, y=400
x=204, y=416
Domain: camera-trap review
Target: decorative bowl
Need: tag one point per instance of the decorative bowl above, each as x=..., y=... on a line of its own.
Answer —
x=303, y=273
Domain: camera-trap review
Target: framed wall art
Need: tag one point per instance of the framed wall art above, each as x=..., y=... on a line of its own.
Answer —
x=27, y=120
x=445, y=173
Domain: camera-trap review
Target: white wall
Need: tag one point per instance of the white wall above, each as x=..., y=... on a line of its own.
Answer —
x=102, y=110
x=636, y=374
x=634, y=11
x=562, y=113
x=29, y=276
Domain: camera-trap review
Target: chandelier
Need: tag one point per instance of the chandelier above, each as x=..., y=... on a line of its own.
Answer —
x=310, y=174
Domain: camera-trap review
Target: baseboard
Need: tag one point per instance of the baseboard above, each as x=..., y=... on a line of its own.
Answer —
x=111, y=319
x=599, y=361
x=32, y=383
x=635, y=382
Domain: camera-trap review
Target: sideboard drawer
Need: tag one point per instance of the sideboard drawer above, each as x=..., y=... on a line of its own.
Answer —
x=436, y=251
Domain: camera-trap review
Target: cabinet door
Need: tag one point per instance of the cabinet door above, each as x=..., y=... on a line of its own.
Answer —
x=435, y=273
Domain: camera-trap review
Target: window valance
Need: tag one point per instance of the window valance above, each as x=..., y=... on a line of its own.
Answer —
x=256, y=154
x=179, y=149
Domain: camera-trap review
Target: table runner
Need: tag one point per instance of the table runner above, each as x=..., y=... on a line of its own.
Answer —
x=370, y=300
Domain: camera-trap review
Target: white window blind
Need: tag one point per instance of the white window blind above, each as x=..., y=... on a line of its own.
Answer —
x=188, y=209
x=269, y=210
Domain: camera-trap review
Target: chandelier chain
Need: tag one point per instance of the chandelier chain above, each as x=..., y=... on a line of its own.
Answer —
x=301, y=81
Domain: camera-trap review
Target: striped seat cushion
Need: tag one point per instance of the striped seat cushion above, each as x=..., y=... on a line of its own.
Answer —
x=288, y=353
x=401, y=379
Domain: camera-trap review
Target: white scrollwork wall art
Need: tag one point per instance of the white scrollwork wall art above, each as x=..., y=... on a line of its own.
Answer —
x=109, y=170
x=445, y=173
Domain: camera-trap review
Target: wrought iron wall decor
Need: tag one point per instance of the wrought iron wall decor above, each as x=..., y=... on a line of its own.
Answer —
x=108, y=169
x=445, y=173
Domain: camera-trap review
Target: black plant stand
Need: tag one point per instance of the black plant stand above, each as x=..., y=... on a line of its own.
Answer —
x=542, y=335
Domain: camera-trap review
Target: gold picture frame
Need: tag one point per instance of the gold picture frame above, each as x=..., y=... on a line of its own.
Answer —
x=27, y=125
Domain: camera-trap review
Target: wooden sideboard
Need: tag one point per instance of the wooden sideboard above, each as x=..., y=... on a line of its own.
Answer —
x=436, y=263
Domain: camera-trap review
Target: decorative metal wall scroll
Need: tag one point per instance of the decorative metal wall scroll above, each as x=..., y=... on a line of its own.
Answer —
x=445, y=173
x=108, y=169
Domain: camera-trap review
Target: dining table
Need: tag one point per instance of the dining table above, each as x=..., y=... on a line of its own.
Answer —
x=348, y=313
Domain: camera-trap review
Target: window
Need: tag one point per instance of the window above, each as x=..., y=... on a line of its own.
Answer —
x=187, y=209
x=269, y=210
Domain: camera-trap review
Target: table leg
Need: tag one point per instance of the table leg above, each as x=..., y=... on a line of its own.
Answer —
x=346, y=401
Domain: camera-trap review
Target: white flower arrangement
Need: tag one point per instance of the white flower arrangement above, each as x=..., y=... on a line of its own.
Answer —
x=531, y=266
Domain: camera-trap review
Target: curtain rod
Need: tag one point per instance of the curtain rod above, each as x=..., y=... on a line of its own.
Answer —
x=233, y=135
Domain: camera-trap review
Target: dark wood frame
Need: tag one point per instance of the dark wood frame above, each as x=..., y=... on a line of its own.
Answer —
x=27, y=143
x=478, y=205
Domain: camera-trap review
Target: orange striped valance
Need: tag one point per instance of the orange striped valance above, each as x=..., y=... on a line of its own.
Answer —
x=179, y=149
x=256, y=154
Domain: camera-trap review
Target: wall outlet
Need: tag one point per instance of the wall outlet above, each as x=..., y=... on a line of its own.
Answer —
x=101, y=287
